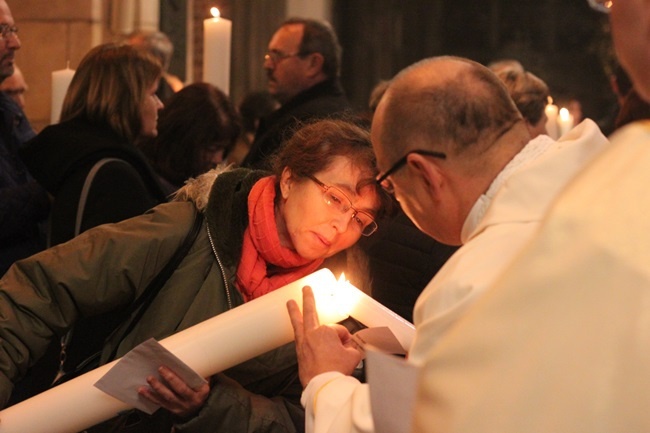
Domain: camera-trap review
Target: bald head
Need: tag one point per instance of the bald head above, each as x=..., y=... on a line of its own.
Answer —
x=447, y=104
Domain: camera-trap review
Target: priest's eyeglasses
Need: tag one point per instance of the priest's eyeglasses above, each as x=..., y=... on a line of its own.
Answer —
x=7, y=31
x=337, y=200
x=385, y=182
x=603, y=6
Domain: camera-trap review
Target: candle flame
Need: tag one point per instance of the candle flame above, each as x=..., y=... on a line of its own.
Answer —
x=549, y=100
x=564, y=114
x=215, y=12
x=342, y=278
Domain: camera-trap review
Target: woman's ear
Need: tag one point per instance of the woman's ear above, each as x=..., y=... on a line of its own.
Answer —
x=285, y=182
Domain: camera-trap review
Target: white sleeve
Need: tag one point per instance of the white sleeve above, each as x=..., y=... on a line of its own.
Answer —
x=336, y=403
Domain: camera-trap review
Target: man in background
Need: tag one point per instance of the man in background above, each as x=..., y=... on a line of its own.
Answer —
x=23, y=203
x=15, y=87
x=158, y=44
x=303, y=65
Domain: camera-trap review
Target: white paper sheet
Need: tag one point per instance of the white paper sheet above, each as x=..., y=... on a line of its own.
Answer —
x=130, y=373
x=392, y=382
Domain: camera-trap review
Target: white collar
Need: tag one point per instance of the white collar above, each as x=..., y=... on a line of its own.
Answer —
x=530, y=152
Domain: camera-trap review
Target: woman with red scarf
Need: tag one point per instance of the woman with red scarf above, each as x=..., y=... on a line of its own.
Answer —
x=259, y=232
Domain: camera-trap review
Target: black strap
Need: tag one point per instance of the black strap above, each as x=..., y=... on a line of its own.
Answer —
x=138, y=308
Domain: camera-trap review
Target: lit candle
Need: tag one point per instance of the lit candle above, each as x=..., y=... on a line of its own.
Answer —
x=208, y=348
x=565, y=121
x=216, y=51
x=60, y=82
x=551, y=119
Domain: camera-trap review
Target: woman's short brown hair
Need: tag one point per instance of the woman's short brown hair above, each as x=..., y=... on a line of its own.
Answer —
x=313, y=147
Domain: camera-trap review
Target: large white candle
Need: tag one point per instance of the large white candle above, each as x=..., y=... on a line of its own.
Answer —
x=216, y=51
x=209, y=347
x=60, y=83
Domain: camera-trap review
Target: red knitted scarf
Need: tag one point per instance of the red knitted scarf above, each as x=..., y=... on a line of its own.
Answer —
x=266, y=265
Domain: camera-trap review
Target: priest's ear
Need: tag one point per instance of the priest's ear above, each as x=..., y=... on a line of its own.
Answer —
x=427, y=170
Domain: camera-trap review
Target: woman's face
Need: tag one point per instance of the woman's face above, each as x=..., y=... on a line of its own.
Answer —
x=309, y=225
x=149, y=112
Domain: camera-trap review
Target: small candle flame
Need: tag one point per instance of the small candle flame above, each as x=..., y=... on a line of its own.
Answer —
x=549, y=100
x=215, y=12
x=342, y=278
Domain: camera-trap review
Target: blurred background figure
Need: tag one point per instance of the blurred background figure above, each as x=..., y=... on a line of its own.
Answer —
x=105, y=110
x=24, y=204
x=196, y=130
x=303, y=65
x=633, y=108
x=158, y=44
x=252, y=108
x=90, y=166
x=530, y=94
x=505, y=65
x=621, y=86
x=15, y=87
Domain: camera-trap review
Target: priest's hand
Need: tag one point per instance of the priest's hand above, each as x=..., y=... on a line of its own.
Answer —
x=320, y=348
x=174, y=394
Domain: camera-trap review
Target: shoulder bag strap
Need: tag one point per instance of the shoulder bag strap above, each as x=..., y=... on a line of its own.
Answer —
x=140, y=305
x=144, y=300
x=86, y=189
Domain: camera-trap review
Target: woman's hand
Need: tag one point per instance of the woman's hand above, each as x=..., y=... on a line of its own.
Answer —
x=320, y=348
x=174, y=394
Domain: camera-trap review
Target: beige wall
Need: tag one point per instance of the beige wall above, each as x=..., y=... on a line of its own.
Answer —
x=53, y=32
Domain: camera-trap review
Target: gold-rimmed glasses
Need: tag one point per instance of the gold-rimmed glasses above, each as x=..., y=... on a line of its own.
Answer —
x=337, y=200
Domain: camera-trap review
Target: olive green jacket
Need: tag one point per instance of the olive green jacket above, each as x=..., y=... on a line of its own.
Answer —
x=106, y=268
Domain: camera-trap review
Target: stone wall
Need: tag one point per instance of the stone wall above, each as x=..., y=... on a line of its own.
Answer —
x=52, y=33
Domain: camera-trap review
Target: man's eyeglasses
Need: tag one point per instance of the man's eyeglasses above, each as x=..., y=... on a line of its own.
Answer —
x=603, y=6
x=276, y=57
x=7, y=31
x=384, y=182
x=337, y=200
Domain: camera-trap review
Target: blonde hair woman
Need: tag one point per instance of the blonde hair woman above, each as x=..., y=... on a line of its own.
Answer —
x=89, y=162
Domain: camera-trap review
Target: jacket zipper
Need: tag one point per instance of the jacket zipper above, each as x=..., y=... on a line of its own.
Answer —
x=223, y=272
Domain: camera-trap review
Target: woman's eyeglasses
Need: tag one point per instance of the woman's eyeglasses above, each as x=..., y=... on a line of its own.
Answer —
x=336, y=199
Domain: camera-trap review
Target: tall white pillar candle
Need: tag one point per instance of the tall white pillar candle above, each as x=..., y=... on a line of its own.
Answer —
x=551, y=120
x=60, y=83
x=217, y=33
x=208, y=348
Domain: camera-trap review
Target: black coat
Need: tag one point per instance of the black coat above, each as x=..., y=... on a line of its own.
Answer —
x=23, y=203
x=60, y=158
x=325, y=99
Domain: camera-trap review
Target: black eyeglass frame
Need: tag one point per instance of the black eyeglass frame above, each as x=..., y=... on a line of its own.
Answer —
x=373, y=225
x=402, y=161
